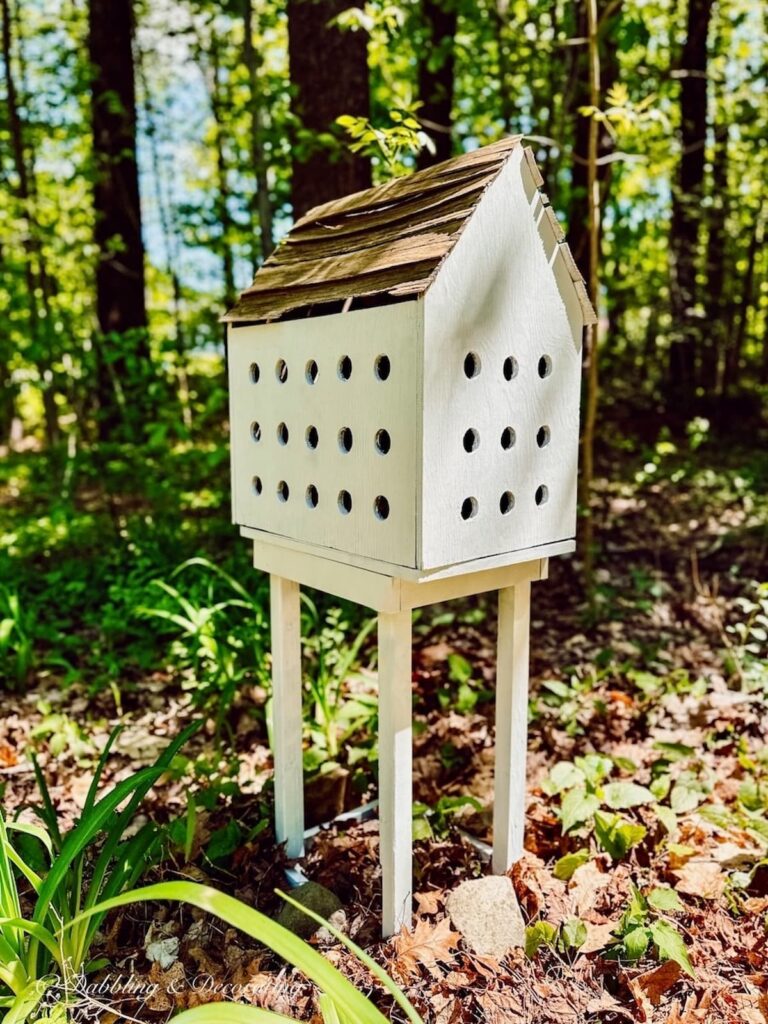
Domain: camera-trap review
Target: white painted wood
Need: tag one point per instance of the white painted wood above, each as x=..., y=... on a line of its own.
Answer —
x=286, y=714
x=371, y=589
x=395, y=770
x=496, y=296
x=387, y=593
x=408, y=572
x=362, y=404
x=416, y=595
x=511, y=725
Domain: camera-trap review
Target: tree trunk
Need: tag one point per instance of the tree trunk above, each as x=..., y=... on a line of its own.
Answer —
x=223, y=215
x=329, y=76
x=123, y=349
x=736, y=341
x=579, y=96
x=262, y=211
x=687, y=197
x=436, y=78
x=593, y=249
x=714, y=338
x=35, y=274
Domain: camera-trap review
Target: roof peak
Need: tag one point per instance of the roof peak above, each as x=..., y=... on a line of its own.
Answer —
x=384, y=243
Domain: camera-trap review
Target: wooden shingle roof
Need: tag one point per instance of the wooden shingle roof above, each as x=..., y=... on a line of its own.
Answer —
x=387, y=240
x=385, y=243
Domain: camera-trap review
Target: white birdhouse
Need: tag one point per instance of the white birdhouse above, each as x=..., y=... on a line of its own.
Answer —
x=404, y=405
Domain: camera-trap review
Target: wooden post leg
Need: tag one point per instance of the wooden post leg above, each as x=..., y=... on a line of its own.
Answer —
x=511, y=726
x=395, y=764
x=286, y=714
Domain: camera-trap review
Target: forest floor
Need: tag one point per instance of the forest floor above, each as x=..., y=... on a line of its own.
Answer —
x=664, y=687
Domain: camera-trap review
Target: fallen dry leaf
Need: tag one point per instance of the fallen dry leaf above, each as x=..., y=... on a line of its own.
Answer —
x=429, y=902
x=649, y=987
x=704, y=878
x=426, y=946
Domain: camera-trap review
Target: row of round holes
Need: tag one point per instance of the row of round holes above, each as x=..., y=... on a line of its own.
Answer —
x=381, y=368
x=510, y=367
x=312, y=498
x=471, y=439
x=382, y=441
x=470, y=506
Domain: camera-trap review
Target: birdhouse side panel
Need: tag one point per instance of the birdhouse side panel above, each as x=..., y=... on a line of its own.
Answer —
x=501, y=384
x=325, y=430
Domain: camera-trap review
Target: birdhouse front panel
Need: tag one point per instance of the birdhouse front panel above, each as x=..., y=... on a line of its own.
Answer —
x=324, y=429
x=501, y=384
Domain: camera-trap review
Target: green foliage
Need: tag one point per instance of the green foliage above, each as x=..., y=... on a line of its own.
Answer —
x=65, y=876
x=565, y=939
x=218, y=641
x=584, y=792
x=643, y=930
x=335, y=712
x=435, y=822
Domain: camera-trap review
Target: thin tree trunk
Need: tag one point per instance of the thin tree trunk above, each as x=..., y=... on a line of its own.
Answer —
x=714, y=338
x=436, y=78
x=687, y=323
x=736, y=346
x=579, y=216
x=36, y=278
x=123, y=357
x=593, y=193
x=329, y=76
x=262, y=203
x=223, y=214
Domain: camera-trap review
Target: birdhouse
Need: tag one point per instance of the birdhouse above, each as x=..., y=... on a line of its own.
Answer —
x=404, y=379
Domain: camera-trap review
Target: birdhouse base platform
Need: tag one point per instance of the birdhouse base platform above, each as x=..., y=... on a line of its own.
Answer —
x=393, y=598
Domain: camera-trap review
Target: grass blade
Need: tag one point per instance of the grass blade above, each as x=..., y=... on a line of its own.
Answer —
x=287, y=945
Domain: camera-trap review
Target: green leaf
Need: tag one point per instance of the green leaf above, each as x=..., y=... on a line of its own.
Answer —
x=596, y=767
x=235, y=913
x=617, y=836
x=674, y=751
x=620, y=795
x=664, y=899
x=230, y=1013
x=577, y=807
x=667, y=817
x=636, y=942
x=573, y=933
x=565, y=867
x=564, y=775
x=536, y=935
x=671, y=945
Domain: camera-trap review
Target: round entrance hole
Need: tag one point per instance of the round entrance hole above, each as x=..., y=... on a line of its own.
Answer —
x=282, y=491
x=381, y=507
x=281, y=371
x=345, y=440
x=543, y=436
x=506, y=502
x=545, y=366
x=542, y=494
x=312, y=496
x=383, y=442
x=256, y=485
x=310, y=371
x=507, y=438
x=345, y=502
x=382, y=367
x=471, y=365
x=254, y=373
x=469, y=508
x=345, y=368
x=256, y=431
x=282, y=433
x=510, y=368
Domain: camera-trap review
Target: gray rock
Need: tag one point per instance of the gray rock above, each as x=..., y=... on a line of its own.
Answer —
x=486, y=912
x=313, y=897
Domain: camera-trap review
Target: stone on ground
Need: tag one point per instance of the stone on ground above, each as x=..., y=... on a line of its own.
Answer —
x=486, y=912
x=314, y=897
